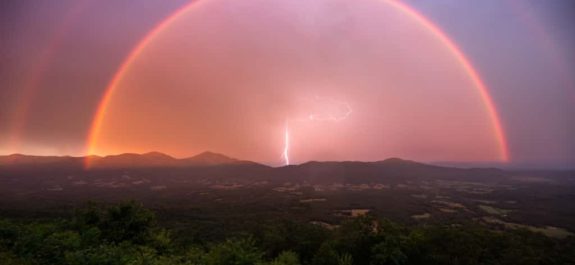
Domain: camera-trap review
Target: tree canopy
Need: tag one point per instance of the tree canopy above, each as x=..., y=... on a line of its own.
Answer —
x=128, y=233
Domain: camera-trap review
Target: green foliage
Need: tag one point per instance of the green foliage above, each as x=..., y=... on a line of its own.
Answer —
x=196, y=255
x=389, y=251
x=8, y=258
x=127, y=234
x=326, y=255
x=356, y=237
x=345, y=259
x=55, y=246
x=9, y=232
x=304, y=239
x=122, y=222
x=109, y=254
x=286, y=258
x=235, y=252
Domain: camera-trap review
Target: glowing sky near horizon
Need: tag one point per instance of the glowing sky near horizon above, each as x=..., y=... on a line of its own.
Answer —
x=227, y=76
x=219, y=79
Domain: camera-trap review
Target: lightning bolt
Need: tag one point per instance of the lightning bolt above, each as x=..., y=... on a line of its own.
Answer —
x=330, y=110
x=285, y=154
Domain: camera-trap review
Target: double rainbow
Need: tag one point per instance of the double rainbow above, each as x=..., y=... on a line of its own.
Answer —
x=425, y=23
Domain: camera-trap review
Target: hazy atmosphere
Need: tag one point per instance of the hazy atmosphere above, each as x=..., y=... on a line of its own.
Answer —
x=484, y=81
x=287, y=132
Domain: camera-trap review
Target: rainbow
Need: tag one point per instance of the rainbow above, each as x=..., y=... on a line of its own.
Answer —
x=28, y=91
x=405, y=9
x=471, y=72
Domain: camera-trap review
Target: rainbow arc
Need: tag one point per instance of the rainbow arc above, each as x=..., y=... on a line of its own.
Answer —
x=442, y=37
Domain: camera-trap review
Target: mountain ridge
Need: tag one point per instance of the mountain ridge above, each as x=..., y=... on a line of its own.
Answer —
x=204, y=159
x=149, y=159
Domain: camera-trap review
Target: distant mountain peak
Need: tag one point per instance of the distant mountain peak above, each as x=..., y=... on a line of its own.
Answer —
x=21, y=159
x=210, y=153
x=209, y=158
x=155, y=154
x=391, y=159
x=394, y=160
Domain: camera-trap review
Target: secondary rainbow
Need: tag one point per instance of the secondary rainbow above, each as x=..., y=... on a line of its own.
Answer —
x=405, y=9
x=30, y=88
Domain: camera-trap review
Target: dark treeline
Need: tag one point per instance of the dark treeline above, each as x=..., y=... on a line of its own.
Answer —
x=127, y=233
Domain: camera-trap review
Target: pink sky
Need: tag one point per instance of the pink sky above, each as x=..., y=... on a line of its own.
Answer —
x=219, y=79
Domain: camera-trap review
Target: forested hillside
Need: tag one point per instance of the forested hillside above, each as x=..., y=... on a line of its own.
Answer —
x=128, y=233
